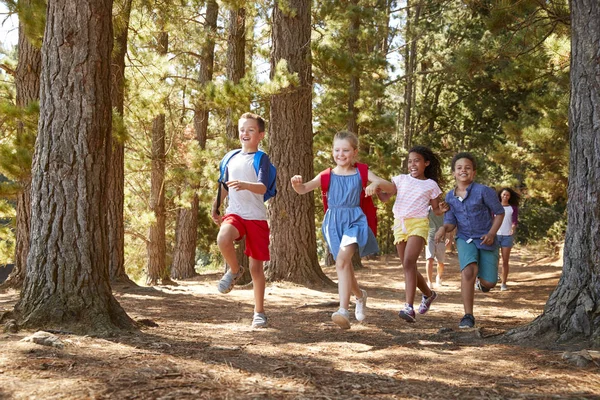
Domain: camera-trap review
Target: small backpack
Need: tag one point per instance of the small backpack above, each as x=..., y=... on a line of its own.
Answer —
x=271, y=186
x=366, y=203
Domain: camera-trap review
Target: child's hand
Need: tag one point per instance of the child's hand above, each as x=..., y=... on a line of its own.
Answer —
x=488, y=239
x=372, y=189
x=444, y=207
x=214, y=213
x=440, y=235
x=236, y=185
x=296, y=180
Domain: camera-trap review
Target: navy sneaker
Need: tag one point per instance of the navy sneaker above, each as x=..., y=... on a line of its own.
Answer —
x=468, y=321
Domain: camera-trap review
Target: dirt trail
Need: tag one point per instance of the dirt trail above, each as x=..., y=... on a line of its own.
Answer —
x=204, y=346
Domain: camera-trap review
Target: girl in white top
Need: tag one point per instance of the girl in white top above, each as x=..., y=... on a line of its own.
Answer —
x=414, y=191
x=510, y=201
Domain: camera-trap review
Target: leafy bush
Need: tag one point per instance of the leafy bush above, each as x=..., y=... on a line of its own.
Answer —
x=539, y=220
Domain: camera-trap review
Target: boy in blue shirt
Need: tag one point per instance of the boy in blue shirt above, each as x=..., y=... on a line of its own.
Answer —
x=469, y=208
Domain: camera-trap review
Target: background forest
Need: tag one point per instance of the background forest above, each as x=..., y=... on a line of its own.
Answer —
x=490, y=77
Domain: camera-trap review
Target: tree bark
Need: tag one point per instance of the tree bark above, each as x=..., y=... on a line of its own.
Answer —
x=293, y=236
x=27, y=84
x=67, y=284
x=186, y=228
x=354, y=88
x=236, y=63
x=116, y=174
x=572, y=312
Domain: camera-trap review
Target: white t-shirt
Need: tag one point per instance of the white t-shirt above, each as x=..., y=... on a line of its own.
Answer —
x=244, y=203
x=506, y=226
x=413, y=196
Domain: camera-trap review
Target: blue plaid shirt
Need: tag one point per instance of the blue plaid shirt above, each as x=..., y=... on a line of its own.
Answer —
x=473, y=215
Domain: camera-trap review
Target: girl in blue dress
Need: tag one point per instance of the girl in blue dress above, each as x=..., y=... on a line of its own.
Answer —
x=345, y=225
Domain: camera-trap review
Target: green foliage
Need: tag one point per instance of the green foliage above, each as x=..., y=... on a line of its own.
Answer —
x=7, y=234
x=540, y=221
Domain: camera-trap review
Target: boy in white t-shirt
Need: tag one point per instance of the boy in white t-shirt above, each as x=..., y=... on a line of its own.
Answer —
x=246, y=214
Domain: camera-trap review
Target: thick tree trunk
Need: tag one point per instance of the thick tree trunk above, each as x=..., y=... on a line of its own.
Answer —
x=236, y=64
x=293, y=236
x=186, y=228
x=67, y=284
x=116, y=174
x=573, y=310
x=354, y=88
x=27, y=83
x=186, y=235
x=157, y=242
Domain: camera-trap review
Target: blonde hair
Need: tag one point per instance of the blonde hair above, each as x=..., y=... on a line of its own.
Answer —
x=349, y=136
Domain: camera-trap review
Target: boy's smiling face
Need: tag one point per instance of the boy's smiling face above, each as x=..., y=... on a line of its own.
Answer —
x=464, y=171
x=249, y=134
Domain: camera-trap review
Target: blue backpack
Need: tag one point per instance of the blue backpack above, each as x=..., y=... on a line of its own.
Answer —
x=271, y=187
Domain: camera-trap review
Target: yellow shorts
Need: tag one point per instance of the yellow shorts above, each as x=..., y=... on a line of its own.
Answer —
x=411, y=227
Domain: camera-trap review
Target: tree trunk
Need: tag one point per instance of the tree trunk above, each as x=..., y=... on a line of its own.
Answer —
x=157, y=243
x=186, y=227
x=186, y=236
x=116, y=174
x=236, y=63
x=572, y=312
x=236, y=68
x=27, y=83
x=354, y=88
x=67, y=284
x=293, y=236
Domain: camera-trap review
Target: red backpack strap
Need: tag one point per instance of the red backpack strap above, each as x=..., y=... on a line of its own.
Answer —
x=363, y=170
x=325, y=178
x=366, y=203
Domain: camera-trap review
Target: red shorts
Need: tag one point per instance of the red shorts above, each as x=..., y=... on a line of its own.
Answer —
x=257, y=235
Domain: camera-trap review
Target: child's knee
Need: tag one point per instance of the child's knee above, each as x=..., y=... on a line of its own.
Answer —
x=470, y=271
x=257, y=269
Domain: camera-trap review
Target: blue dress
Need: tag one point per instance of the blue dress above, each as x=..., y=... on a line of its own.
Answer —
x=344, y=222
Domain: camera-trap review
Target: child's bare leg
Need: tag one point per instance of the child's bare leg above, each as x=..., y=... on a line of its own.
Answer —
x=429, y=269
x=258, y=284
x=440, y=270
x=467, y=286
x=409, y=252
x=227, y=235
x=346, y=280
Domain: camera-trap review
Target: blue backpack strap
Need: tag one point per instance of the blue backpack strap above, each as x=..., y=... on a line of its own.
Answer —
x=224, y=162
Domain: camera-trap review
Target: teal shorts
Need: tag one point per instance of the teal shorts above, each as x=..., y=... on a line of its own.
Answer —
x=486, y=260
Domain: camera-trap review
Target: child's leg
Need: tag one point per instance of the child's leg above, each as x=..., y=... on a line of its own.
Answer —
x=409, y=252
x=429, y=269
x=225, y=239
x=258, y=283
x=505, y=259
x=467, y=286
x=347, y=283
x=440, y=270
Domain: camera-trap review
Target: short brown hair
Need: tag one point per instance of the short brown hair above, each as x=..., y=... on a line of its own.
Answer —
x=257, y=118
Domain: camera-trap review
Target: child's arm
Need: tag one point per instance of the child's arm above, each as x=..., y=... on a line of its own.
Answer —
x=379, y=185
x=489, y=237
x=440, y=235
x=301, y=187
x=214, y=211
x=439, y=207
x=254, y=187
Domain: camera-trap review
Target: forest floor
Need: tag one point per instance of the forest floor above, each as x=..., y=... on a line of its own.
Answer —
x=205, y=348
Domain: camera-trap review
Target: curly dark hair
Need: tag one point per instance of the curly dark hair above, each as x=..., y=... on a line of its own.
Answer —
x=434, y=169
x=514, y=198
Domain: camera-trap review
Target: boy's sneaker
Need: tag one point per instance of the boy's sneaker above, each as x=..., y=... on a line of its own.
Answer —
x=468, y=321
x=426, y=302
x=259, y=320
x=503, y=287
x=479, y=286
x=229, y=280
x=407, y=314
x=341, y=318
x=361, y=306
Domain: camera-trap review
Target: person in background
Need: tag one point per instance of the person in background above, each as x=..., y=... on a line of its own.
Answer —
x=510, y=201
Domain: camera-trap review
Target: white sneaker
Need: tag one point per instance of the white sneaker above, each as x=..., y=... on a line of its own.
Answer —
x=341, y=318
x=361, y=306
x=503, y=287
